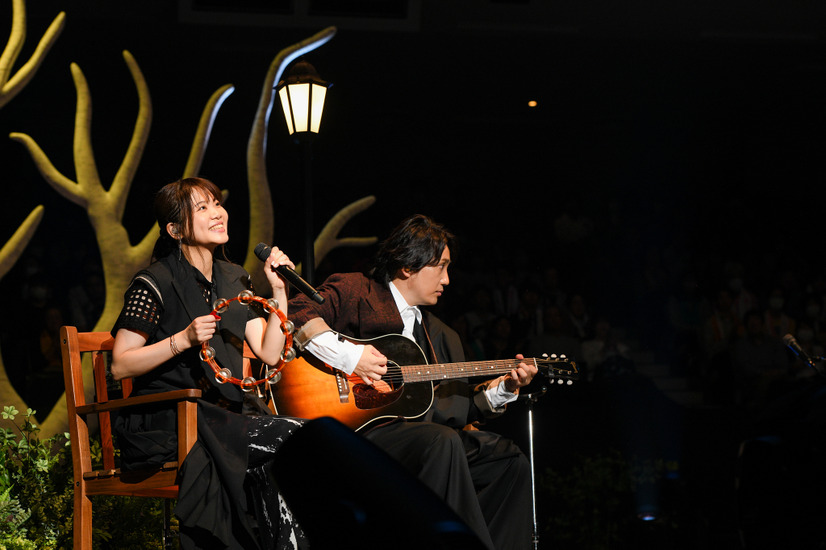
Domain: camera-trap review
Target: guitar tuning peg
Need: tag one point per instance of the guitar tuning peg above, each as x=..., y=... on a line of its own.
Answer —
x=544, y=355
x=563, y=357
x=553, y=356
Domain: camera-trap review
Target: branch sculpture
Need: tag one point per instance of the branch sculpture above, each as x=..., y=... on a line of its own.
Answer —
x=261, y=209
x=10, y=86
x=9, y=255
x=105, y=208
x=262, y=216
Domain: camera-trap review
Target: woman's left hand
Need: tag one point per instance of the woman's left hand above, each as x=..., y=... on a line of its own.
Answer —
x=277, y=258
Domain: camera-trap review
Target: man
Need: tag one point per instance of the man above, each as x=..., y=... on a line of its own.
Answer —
x=482, y=476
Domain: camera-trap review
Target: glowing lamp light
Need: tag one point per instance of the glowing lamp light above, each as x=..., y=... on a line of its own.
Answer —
x=302, y=94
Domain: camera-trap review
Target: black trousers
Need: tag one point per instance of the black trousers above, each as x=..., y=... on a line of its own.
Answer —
x=482, y=476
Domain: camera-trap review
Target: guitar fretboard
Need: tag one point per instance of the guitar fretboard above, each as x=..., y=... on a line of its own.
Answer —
x=444, y=371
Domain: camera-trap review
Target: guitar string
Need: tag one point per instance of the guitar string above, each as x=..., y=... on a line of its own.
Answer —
x=425, y=373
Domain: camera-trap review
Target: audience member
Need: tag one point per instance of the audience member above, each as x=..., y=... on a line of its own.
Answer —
x=579, y=317
x=556, y=338
x=505, y=294
x=86, y=299
x=744, y=300
x=775, y=319
x=605, y=346
x=811, y=313
x=759, y=361
x=500, y=343
x=527, y=321
x=551, y=290
x=721, y=326
x=480, y=316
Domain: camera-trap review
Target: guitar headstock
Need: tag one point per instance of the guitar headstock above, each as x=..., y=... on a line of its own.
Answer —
x=558, y=368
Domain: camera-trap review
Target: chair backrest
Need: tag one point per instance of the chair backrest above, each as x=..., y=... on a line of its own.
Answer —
x=89, y=406
x=86, y=360
x=83, y=388
x=88, y=388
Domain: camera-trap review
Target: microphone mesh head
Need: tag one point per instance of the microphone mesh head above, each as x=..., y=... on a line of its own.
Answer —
x=262, y=251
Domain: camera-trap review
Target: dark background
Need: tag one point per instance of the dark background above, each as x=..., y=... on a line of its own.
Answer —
x=689, y=134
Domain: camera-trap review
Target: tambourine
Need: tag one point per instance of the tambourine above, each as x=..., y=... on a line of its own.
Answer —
x=224, y=375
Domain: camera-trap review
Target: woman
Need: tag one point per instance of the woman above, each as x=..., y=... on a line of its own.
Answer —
x=226, y=499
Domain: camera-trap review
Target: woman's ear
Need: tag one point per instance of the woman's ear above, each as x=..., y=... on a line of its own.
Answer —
x=172, y=229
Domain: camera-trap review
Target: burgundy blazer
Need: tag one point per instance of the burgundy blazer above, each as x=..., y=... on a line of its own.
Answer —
x=358, y=306
x=354, y=305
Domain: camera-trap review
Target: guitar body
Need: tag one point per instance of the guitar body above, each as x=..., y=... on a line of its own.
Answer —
x=308, y=389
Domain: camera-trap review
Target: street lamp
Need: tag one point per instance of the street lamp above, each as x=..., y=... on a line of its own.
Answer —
x=302, y=94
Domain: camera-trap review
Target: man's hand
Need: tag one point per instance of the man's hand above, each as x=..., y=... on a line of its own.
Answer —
x=372, y=365
x=520, y=376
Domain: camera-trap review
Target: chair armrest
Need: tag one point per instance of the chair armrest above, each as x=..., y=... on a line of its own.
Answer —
x=118, y=404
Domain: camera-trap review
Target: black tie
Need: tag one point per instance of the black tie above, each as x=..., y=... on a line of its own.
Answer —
x=421, y=338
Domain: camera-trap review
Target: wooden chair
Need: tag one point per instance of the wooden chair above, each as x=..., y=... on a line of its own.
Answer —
x=85, y=404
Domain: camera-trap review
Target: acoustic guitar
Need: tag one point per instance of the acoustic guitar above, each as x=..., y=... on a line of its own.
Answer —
x=313, y=389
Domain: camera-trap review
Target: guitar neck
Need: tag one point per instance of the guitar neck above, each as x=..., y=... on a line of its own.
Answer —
x=444, y=371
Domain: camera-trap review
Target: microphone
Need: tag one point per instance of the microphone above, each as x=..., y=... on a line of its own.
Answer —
x=263, y=252
x=795, y=347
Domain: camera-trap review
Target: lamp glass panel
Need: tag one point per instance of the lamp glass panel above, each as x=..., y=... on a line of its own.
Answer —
x=300, y=100
x=319, y=94
x=285, y=106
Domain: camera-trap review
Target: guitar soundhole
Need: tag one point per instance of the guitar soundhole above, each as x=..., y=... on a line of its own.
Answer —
x=382, y=393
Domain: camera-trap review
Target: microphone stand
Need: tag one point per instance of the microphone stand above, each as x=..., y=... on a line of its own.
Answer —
x=531, y=399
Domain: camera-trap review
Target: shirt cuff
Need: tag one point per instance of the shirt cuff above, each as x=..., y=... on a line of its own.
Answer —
x=498, y=396
x=339, y=354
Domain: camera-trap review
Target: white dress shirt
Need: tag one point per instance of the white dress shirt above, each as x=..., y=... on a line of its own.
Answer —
x=344, y=355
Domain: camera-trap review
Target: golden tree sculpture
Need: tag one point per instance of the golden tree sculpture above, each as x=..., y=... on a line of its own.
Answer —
x=105, y=207
x=11, y=84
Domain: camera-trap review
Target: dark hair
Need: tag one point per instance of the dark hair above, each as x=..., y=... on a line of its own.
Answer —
x=415, y=243
x=173, y=204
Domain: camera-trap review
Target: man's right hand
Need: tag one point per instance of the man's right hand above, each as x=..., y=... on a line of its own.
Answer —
x=371, y=366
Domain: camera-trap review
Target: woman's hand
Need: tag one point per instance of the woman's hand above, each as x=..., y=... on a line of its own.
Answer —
x=276, y=258
x=132, y=357
x=200, y=330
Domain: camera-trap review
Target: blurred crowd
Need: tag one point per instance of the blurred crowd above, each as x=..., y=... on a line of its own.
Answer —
x=598, y=293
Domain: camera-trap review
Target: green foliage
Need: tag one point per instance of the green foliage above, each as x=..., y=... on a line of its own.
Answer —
x=36, y=481
x=590, y=503
x=127, y=523
x=36, y=496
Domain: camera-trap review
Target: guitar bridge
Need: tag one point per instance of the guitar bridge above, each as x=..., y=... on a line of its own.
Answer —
x=343, y=388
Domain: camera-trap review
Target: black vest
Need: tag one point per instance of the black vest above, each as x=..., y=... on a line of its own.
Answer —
x=174, y=280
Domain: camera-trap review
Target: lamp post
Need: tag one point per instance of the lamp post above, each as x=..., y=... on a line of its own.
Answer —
x=302, y=94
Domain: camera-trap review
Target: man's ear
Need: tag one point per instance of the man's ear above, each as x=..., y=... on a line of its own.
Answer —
x=405, y=273
x=172, y=229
